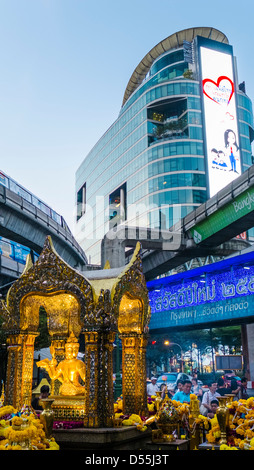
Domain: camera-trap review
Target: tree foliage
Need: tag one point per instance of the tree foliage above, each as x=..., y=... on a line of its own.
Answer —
x=204, y=341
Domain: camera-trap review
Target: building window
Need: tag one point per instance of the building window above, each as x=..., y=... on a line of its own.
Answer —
x=168, y=120
x=117, y=206
x=81, y=201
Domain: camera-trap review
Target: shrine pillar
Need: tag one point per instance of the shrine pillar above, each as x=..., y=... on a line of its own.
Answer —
x=99, y=378
x=134, y=372
x=92, y=362
x=105, y=383
x=20, y=368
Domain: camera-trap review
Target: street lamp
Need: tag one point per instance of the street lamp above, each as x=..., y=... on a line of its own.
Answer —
x=168, y=343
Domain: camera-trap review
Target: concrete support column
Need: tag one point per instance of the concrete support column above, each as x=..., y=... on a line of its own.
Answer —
x=113, y=250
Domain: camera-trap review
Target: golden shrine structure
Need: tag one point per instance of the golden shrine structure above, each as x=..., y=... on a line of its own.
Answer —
x=111, y=301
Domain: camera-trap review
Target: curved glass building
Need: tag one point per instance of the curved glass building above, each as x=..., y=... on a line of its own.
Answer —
x=184, y=131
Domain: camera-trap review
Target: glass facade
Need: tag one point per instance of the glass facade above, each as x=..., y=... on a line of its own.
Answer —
x=155, y=150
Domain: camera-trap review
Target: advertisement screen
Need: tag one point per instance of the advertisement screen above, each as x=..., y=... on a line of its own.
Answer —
x=222, y=138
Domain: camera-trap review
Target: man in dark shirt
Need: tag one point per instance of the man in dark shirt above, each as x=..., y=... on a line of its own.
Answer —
x=44, y=394
x=243, y=389
x=221, y=389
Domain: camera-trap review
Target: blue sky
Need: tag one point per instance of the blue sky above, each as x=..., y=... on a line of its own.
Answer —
x=64, y=68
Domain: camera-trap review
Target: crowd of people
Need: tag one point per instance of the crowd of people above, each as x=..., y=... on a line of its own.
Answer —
x=208, y=397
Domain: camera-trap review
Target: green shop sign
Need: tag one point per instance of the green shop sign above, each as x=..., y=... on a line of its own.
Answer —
x=233, y=211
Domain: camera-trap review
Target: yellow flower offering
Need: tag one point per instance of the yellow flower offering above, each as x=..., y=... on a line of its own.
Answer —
x=141, y=428
x=135, y=419
x=150, y=406
x=7, y=410
x=127, y=422
x=223, y=447
x=16, y=421
x=249, y=434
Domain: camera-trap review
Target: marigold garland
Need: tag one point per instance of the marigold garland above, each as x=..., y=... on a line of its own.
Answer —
x=23, y=432
x=7, y=410
x=241, y=421
x=241, y=426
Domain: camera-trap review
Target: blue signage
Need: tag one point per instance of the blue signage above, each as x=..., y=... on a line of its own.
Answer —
x=216, y=292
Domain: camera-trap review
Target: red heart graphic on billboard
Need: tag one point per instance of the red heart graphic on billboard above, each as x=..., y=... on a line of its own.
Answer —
x=214, y=93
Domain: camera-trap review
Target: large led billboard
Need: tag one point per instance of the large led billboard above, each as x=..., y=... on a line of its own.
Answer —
x=220, y=116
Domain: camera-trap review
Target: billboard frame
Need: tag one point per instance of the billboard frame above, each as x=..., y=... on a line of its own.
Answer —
x=228, y=356
x=199, y=42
